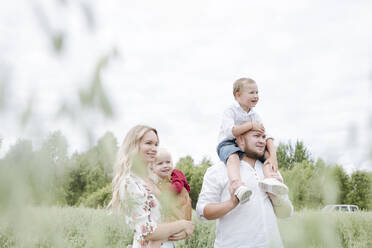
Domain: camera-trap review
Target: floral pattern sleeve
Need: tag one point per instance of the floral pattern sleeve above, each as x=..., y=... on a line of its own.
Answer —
x=141, y=209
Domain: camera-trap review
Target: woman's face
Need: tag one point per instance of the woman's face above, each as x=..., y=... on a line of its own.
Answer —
x=148, y=146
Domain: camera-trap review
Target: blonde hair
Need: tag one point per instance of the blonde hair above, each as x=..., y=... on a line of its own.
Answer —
x=239, y=84
x=125, y=158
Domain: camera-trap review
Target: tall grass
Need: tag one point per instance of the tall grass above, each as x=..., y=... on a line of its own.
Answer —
x=83, y=227
x=64, y=227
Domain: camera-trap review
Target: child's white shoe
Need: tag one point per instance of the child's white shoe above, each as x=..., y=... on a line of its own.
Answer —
x=273, y=186
x=243, y=194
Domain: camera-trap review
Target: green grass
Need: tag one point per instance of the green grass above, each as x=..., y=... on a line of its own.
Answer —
x=44, y=227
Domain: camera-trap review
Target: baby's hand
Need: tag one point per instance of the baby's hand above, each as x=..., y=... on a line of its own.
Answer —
x=258, y=126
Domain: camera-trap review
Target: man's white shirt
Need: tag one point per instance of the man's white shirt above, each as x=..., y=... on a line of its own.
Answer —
x=252, y=224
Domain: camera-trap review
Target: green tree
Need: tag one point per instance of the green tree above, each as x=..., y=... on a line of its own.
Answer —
x=288, y=155
x=53, y=157
x=343, y=183
x=91, y=171
x=194, y=175
x=360, y=193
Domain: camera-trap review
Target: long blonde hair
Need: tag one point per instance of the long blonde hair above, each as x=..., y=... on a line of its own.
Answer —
x=125, y=158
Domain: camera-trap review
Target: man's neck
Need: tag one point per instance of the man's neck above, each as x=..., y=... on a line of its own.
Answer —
x=250, y=161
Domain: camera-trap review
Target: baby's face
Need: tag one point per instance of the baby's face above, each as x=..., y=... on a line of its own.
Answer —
x=163, y=165
x=248, y=96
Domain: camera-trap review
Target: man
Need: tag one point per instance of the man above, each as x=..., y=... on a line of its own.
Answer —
x=252, y=224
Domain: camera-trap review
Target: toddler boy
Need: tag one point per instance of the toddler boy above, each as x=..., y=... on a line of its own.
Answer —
x=238, y=119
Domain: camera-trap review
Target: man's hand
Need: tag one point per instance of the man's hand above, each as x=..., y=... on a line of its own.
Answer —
x=272, y=161
x=276, y=176
x=233, y=187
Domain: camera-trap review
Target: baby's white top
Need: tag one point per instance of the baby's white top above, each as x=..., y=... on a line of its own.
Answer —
x=235, y=115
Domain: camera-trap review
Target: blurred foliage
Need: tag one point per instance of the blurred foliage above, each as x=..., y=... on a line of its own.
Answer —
x=314, y=185
x=65, y=227
x=81, y=227
x=95, y=95
x=194, y=175
x=100, y=198
x=48, y=176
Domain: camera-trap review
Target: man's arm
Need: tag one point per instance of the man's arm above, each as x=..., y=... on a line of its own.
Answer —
x=214, y=211
x=211, y=190
x=270, y=155
x=283, y=207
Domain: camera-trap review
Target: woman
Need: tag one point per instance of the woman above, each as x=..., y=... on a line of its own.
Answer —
x=141, y=208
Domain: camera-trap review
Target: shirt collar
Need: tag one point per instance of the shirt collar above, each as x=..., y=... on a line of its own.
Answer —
x=237, y=105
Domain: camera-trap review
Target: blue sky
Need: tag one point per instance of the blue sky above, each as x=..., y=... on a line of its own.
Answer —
x=176, y=64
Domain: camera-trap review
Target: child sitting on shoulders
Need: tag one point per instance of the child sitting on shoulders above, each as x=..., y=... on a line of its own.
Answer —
x=238, y=119
x=172, y=191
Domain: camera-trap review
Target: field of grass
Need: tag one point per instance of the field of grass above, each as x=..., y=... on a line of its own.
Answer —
x=81, y=227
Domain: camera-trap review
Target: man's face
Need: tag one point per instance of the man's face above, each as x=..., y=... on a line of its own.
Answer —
x=253, y=143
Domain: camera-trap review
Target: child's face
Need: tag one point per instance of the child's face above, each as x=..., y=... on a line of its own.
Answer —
x=248, y=96
x=163, y=165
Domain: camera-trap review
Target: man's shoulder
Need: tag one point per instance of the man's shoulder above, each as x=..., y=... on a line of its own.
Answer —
x=216, y=169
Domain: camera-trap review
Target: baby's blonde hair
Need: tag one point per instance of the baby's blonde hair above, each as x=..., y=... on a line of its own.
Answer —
x=163, y=150
x=239, y=84
x=125, y=159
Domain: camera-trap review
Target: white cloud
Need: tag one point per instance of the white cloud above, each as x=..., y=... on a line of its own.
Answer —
x=178, y=60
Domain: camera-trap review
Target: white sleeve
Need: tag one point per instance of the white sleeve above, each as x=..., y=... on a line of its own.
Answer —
x=227, y=124
x=283, y=207
x=210, y=192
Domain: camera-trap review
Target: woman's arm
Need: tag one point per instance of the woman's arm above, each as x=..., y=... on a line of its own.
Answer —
x=164, y=230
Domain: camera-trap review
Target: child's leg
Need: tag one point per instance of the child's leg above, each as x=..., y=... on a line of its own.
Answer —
x=229, y=153
x=272, y=183
x=233, y=170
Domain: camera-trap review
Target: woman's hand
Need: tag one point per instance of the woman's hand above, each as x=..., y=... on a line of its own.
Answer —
x=178, y=236
x=188, y=227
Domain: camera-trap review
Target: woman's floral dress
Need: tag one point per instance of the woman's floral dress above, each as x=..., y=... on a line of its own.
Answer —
x=142, y=210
